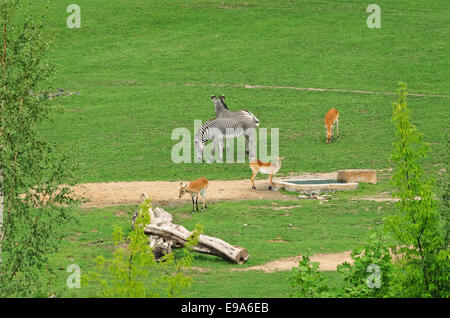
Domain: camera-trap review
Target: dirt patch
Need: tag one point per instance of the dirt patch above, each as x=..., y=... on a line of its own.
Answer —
x=278, y=241
x=165, y=193
x=381, y=197
x=276, y=208
x=328, y=262
x=199, y=269
x=120, y=213
x=376, y=199
x=286, y=207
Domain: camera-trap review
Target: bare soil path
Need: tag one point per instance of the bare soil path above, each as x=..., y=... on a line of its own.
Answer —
x=165, y=193
x=328, y=262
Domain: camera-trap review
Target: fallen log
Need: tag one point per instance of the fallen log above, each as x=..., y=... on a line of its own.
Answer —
x=164, y=235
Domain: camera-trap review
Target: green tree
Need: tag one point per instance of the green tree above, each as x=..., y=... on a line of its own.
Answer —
x=443, y=187
x=35, y=205
x=306, y=281
x=369, y=275
x=410, y=250
x=133, y=271
x=422, y=265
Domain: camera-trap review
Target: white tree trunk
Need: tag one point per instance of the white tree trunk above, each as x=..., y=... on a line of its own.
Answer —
x=176, y=235
x=164, y=235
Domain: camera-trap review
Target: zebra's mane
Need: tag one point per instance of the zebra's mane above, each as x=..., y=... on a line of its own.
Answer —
x=223, y=102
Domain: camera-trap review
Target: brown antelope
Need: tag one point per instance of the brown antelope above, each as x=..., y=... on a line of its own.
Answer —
x=331, y=121
x=194, y=188
x=264, y=168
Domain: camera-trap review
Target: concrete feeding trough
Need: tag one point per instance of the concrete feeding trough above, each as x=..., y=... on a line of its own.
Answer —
x=346, y=180
x=314, y=185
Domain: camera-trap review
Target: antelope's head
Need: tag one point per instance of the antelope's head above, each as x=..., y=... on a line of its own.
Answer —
x=182, y=190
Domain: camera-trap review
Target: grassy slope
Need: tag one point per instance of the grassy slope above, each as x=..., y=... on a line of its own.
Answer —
x=131, y=62
x=335, y=226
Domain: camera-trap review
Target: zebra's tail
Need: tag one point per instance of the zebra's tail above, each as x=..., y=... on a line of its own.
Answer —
x=256, y=121
x=254, y=118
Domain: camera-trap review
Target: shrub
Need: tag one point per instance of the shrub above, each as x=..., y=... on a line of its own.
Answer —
x=133, y=272
x=306, y=281
x=422, y=266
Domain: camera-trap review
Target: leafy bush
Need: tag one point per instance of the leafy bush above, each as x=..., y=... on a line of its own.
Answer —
x=414, y=261
x=133, y=272
x=306, y=281
x=35, y=176
x=373, y=258
x=422, y=268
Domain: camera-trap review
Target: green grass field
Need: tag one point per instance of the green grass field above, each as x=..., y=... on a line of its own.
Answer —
x=336, y=226
x=144, y=68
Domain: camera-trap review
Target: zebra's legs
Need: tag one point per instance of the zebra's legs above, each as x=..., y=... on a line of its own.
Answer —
x=216, y=143
x=246, y=145
x=250, y=136
x=221, y=148
x=228, y=144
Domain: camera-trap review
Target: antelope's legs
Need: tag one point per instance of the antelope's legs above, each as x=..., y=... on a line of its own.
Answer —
x=270, y=178
x=204, y=196
x=253, y=180
x=193, y=203
x=337, y=127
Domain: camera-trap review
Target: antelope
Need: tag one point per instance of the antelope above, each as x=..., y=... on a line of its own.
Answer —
x=194, y=188
x=331, y=120
x=264, y=168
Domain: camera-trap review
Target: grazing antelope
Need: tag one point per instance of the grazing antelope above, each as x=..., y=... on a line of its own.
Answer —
x=195, y=188
x=331, y=120
x=264, y=168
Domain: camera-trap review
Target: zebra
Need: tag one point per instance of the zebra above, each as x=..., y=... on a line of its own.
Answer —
x=222, y=111
x=219, y=129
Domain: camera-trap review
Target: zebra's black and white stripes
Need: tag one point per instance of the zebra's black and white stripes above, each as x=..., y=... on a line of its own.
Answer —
x=222, y=110
x=220, y=129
